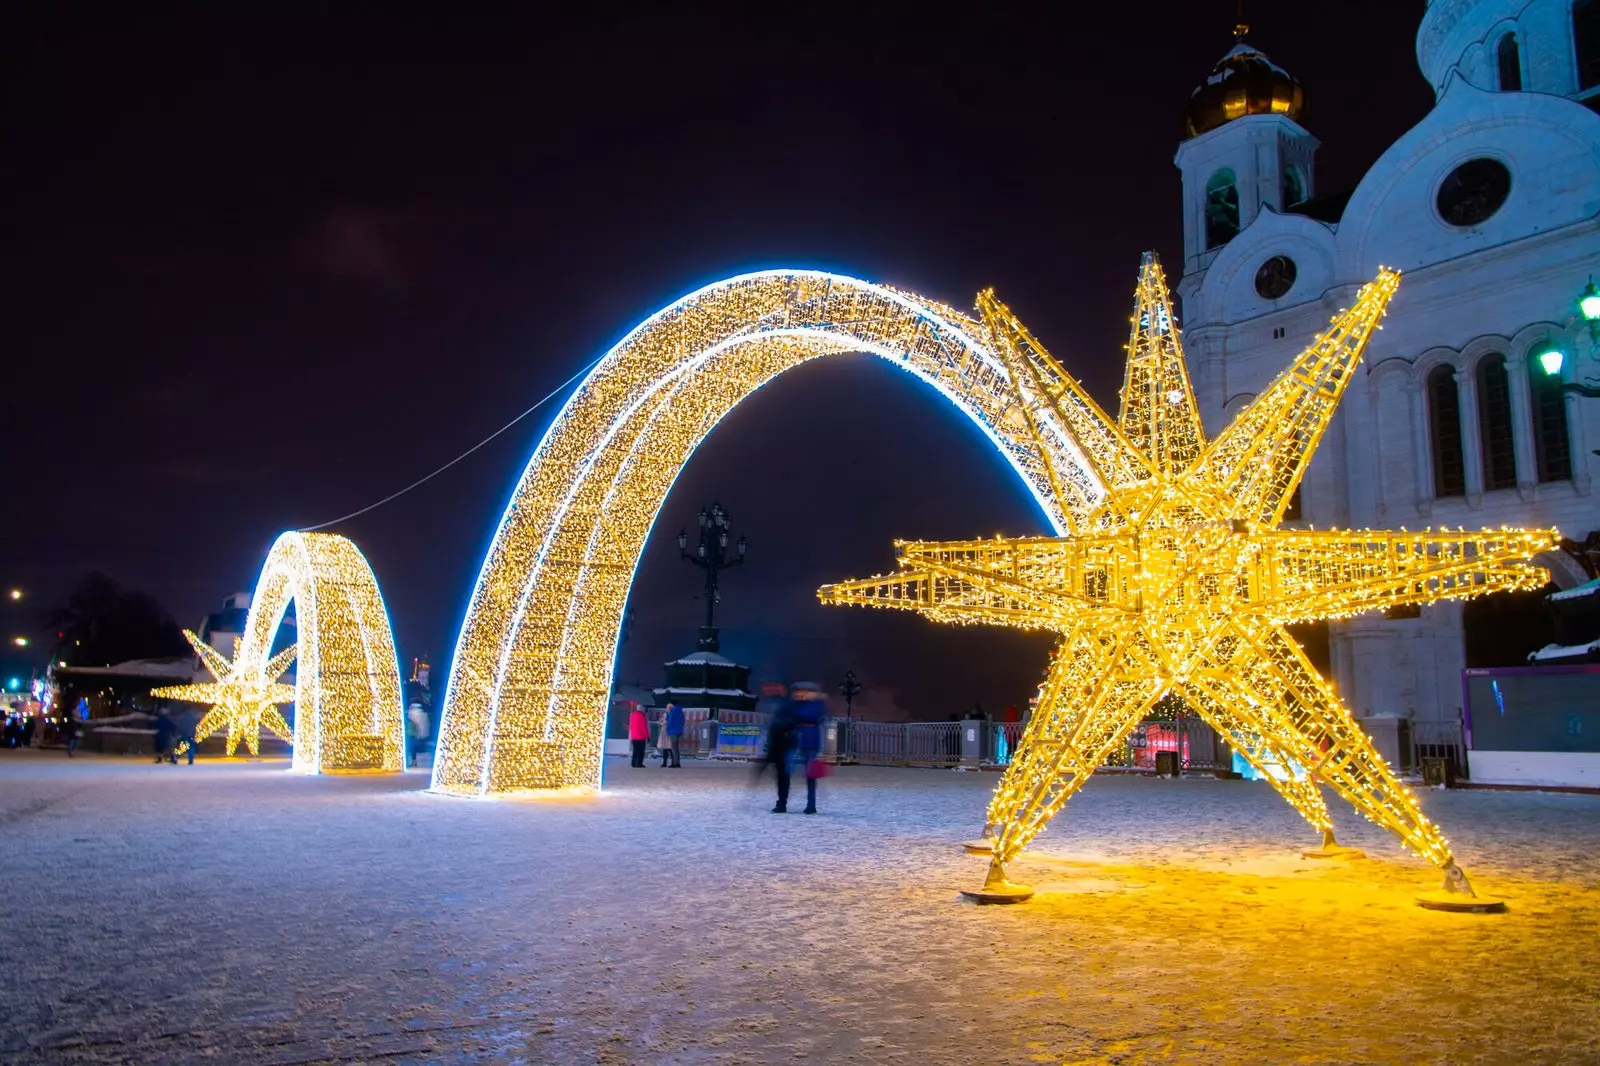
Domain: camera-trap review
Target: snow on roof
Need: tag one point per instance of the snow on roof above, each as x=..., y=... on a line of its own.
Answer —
x=1565, y=651
x=709, y=657
x=181, y=666
x=704, y=692
x=1588, y=588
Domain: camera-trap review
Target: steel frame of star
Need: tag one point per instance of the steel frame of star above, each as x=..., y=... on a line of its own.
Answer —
x=1174, y=576
x=244, y=696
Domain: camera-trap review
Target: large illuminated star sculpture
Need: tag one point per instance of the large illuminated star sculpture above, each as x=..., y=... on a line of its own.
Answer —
x=1173, y=575
x=244, y=697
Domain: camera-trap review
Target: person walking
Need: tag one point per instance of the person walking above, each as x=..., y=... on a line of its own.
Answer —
x=166, y=737
x=417, y=719
x=671, y=736
x=810, y=708
x=70, y=731
x=638, y=734
x=188, y=721
x=780, y=746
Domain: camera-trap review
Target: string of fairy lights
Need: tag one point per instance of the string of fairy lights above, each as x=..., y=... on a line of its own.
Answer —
x=1179, y=581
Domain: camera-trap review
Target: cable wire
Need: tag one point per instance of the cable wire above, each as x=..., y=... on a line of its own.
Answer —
x=429, y=477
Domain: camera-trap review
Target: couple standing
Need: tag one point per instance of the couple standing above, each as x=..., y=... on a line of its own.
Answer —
x=669, y=742
x=796, y=728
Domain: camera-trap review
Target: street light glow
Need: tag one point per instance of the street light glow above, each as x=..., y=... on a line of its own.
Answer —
x=1551, y=359
x=1589, y=302
x=21, y=642
x=16, y=594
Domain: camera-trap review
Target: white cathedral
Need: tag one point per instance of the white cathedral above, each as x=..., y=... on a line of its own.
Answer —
x=1491, y=207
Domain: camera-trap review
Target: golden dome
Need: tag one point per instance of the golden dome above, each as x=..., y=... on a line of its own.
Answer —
x=1244, y=82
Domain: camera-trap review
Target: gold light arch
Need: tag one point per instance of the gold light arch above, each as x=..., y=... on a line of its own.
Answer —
x=347, y=682
x=526, y=702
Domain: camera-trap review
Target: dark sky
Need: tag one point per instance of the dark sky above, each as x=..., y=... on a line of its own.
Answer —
x=261, y=271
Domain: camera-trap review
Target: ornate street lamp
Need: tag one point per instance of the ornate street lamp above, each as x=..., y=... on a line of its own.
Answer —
x=850, y=688
x=1589, y=308
x=711, y=555
x=1552, y=358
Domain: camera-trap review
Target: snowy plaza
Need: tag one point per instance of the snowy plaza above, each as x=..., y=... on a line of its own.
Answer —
x=234, y=912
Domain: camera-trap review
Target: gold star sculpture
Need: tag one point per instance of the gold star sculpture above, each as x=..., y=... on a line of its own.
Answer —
x=243, y=698
x=1173, y=576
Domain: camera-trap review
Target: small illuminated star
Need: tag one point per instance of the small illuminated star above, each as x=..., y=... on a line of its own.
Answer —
x=244, y=697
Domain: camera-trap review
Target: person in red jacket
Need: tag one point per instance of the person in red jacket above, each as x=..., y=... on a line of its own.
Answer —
x=638, y=733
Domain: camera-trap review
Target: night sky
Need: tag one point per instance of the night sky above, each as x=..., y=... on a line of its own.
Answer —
x=261, y=271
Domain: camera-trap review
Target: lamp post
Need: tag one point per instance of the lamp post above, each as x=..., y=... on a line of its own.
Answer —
x=1553, y=358
x=849, y=688
x=711, y=555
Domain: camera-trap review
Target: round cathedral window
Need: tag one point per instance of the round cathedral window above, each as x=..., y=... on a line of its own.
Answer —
x=1473, y=192
x=1275, y=277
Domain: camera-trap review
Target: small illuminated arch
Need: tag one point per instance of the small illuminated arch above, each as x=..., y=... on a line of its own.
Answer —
x=526, y=701
x=347, y=677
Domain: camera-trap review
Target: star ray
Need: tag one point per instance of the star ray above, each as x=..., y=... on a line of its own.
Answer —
x=1282, y=691
x=1261, y=456
x=1159, y=415
x=1309, y=575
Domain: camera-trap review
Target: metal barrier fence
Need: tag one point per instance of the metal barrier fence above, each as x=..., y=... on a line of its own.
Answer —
x=899, y=743
x=1003, y=738
x=689, y=743
x=1441, y=739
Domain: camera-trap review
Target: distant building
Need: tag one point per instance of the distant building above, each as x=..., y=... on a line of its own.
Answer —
x=1491, y=207
x=219, y=628
x=708, y=681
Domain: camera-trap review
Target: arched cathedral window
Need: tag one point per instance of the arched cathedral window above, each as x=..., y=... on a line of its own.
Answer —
x=1494, y=424
x=1586, y=41
x=1510, y=61
x=1444, y=428
x=1292, y=188
x=1549, y=403
x=1222, y=208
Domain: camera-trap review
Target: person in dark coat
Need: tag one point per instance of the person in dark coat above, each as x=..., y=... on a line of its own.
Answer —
x=671, y=736
x=781, y=735
x=166, y=737
x=810, y=710
x=188, y=723
x=71, y=730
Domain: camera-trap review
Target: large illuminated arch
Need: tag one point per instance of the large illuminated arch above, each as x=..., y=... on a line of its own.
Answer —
x=526, y=702
x=347, y=681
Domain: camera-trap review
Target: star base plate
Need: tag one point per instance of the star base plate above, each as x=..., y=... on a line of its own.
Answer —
x=999, y=892
x=1336, y=851
x=1460, y=903
x=981, y=846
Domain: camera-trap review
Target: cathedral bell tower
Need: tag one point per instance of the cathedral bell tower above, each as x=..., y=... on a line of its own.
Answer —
x=1243, y=149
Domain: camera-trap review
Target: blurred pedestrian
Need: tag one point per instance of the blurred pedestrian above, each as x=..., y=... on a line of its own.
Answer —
x=810, y=708
x=13, y=730
x=417, y=734
x=638, y=733
x=166, y=737
x=780, y=748
x=671, y=736
x=188, y=723
x=29, y=724
x=70, y=731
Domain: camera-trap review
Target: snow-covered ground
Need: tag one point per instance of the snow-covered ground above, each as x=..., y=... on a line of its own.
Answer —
x=232, y=912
